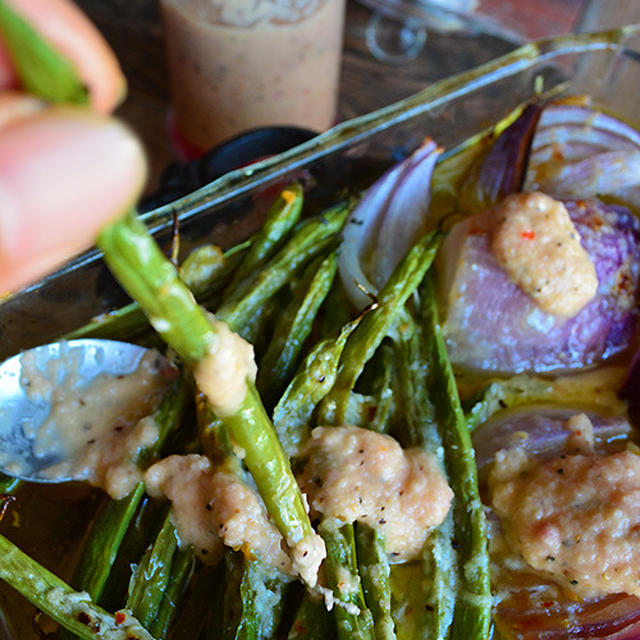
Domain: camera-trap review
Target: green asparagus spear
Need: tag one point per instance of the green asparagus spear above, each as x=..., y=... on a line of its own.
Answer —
x=472, y=617
x=353, y=618
x=309, y=386
x=294, y=327
x=439, y=563
x=281, y=218
x=377, y=323
x=75, y=611
x=312, y=621
x=182, y=567
x=373, y=567
x=42, y=70
x=313, y=238
x=262, y=592
x=151, y=576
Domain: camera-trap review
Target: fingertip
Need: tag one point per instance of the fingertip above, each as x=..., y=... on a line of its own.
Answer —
x=63, y=25
x=64, y=175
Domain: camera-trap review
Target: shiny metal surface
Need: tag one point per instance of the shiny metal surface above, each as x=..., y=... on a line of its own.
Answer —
x=26, y=390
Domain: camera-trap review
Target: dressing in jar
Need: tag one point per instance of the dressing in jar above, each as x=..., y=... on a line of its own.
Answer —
x=239, y=64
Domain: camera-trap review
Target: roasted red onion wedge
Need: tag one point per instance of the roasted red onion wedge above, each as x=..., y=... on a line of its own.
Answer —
x=528, y=605
x=492, y=325
x=388, y=220
x=578, y=152
x=503, y=168
x=528, y=610
x=541, y=433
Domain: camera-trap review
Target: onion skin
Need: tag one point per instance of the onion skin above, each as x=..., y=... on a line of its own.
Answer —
x=614, y=617
x=478, y=297
x=579, y=152
x=547, y=434
x=525, y=610
x=387, y=221
x=502, y=170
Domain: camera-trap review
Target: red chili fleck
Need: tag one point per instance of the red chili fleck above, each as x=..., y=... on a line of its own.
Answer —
x=120, y=617
x=547, y=605
x=528, y=235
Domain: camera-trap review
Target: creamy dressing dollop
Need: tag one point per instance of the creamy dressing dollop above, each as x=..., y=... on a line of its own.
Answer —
x=574, y=517
x=212, y=506
x=358, y=474
x=537, y=244
x=223, y=373
x=97, y=429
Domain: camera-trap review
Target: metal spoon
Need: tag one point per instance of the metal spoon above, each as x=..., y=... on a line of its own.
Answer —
x=34, y=387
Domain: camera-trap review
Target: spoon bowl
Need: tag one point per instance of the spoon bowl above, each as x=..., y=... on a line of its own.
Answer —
x=44, y=405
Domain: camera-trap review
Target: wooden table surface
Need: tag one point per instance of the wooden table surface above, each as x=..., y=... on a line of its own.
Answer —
x=134, y=31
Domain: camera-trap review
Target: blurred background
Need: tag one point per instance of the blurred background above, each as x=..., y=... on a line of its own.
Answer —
x=392, y=48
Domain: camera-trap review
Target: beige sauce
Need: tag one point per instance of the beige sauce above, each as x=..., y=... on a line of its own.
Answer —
x=110, y=461
x=575, y=518
x=356, y=474
x=235, y=65
x=222, y=375
x=98, y=429
x=306, y=557
x=211, y=506
x=119, y=626
x=536, y=242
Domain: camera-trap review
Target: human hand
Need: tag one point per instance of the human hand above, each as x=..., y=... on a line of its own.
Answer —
x=65, y=171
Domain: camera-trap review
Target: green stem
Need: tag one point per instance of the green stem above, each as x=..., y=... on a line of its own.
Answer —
x=281, y=218
x=151, y=576
x=142, y=269
x=293, y=328
x=472, y=616
x=373, y=565
x=379, y=320
x=251, y=429
x=139, y=265
x=181, y=571
x=75, y=611
x=309, y=386
x=353, y=618
x=313, y=237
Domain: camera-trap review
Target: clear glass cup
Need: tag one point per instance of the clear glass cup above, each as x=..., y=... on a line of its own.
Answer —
x=239, y=64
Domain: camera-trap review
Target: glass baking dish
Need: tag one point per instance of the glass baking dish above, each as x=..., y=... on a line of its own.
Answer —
x=345, y=159
x=351, y=155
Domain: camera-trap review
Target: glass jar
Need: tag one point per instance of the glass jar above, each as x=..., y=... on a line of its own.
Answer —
x=240, y=64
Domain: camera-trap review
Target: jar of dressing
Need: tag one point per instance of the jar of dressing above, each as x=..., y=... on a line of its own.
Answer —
x=239, y=64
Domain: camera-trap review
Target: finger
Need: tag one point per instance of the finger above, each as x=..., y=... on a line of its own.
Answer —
x=69, y=31
x=64, y=174
x=7, y=76
x=16, y=106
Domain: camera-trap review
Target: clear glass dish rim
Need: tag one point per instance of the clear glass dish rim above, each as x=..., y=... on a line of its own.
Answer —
x=349, y=132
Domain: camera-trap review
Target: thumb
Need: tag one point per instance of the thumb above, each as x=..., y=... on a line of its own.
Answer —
x=64, y=174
